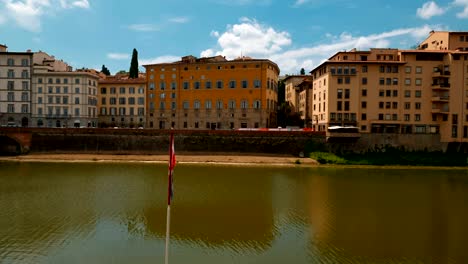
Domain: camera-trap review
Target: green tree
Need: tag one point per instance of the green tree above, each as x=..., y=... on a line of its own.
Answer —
x=105, y=70
x=287, y=116
x=302, y=71
x=133, y=73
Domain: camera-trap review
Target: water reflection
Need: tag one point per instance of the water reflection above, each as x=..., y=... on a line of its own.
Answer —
x=116, y=213
x=407, y=216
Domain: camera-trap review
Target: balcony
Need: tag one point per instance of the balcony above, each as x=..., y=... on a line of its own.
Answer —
x=441, y=73
x=440, y=110
x=441, y=86
x=444, y=99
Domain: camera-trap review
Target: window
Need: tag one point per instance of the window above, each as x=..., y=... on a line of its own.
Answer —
x=339, y=94
x=232, y=104
x=10, y=62
x=364, y=92
x=244, y=104
x=417, y=106
x=186, y=85
x=395, y=105
x=417, y=93
x=381, y=81
x=173, y=105
x=103, y=90
x=77, y=81
x=418, y=69
x=162, y=85
x=364, y=80
x=208, y=104
x=208, y=85
x=417, y=117
x=11, y=74
x=11, y=108
x=387, y=105
x=381, y=93
x=232, y=84
x=388, y=93
x=122, y=100
x=347, y=80
x=407, y=105
x=131, y=100
x=186, y=105
x=408, y=69
x=347, y=93
x=162, y=105
x=151, y=85
x=257, y=104
x=364, y=104
x=77, y=100
x=77, y=90
x=346, y=105
x=395, y=81
x=11, y=96
x=418, y=82
x=24, y=74
x=162, y=96
x=77, y=112
x=364, y=68
x=244, y=84
x=173, y=85
x=196, y=104
x=407, y=117
x=339, y=106
x=219, y=84
x=395, y=93
x=173, y=95
x=388, y=81
x=112, y=90
x=112, y=100
x=219, y=104
x=339, y=80
x=122, y=90
x=257, y=83
x=196, y=85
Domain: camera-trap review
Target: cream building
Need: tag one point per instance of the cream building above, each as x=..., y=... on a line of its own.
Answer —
x=395, y=91
x=121, y=101
x=291, y=87
x=62, y=97
x=15, y=88
x=212, y=93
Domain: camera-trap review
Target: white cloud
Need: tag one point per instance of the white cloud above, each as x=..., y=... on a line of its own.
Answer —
x=250, y=38
x=256, y=40
x=179, y=20
x=214, y=34
x=27, y=14
x=464, y=4
x=143, y=27
x=430, y=9
x=300, y=2
x=118, y=56
x=161, y=59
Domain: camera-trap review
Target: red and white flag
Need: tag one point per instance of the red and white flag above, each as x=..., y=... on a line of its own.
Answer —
x=172, y=163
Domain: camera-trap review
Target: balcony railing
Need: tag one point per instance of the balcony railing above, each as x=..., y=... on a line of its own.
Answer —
x=440, y=98
x=443, y=86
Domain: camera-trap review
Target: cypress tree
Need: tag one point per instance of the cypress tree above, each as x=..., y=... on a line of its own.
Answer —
x=133, y=73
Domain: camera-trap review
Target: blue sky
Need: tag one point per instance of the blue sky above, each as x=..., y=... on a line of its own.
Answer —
x=292, y=33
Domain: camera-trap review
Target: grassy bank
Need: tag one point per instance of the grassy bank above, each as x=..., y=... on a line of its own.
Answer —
x=393, y=157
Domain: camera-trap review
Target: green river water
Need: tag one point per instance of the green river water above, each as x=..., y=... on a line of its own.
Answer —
x=116, y=213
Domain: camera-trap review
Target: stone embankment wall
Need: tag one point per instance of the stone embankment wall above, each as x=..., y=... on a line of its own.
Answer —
x=133, y=141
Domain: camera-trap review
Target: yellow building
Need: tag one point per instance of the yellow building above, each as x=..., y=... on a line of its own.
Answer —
x=212, y=93
x=445, y=40
x=394, y=91
x=121, y=101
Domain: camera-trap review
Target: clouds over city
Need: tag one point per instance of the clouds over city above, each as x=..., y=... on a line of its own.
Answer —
x=27, y=14
x=252, y=38
x=431, y=9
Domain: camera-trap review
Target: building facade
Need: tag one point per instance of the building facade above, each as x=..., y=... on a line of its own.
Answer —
x=121, y=102
x=212, y=93
x=62, y=97
x=445, y=40
x=291, y=88
x=394, y=91
x=15, y=88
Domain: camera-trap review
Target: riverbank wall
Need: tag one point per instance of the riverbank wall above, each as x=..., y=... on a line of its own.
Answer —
x=136, y=141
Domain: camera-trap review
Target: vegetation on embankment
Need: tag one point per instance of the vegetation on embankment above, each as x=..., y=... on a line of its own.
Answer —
x=393, y=156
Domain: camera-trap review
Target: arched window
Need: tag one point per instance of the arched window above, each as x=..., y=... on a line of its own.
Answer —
x=244, y=104
x=232, y=104
x=257, y=104
x=196, y=104
x=219, y=104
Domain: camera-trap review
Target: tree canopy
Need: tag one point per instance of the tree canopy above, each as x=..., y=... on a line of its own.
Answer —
x=302, y=71
x=105, y=70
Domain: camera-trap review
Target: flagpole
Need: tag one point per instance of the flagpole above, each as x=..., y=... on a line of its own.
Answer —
x=168, y=227
x=170, y=190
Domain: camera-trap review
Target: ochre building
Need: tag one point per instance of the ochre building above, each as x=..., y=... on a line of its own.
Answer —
x=422, y=91
x=121, y=101
x=212, y=93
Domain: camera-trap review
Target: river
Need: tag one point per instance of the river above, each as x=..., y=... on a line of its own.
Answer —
x=116, y=213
